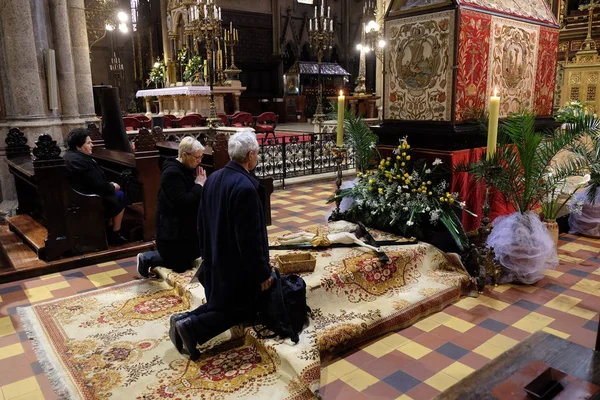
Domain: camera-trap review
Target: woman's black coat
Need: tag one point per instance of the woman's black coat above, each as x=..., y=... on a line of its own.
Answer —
x=178, y=203
x=86, y=176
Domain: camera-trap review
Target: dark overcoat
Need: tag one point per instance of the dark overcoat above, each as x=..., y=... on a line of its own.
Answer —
x=85, y=175
x=177, y=209
x=233, y=239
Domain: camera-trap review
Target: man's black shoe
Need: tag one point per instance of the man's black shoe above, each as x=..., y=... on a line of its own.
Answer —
x=185, y=331
x=116, y=239
x=173, y=335
x=141, y=266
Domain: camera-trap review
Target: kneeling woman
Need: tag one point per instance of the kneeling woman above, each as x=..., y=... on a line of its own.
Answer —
x=179, y=198
x=86, y=176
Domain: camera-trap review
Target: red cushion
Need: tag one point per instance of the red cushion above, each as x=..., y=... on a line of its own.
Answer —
x=129, y=128
x=264, y=128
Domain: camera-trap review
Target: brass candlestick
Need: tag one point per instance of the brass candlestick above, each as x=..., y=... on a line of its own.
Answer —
x=231, y=40
x=207, y=27
x=320, y=35
x=339, y=154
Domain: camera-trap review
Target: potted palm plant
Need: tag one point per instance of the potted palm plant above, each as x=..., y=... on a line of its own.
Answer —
x=518, y=170
x=586, y=219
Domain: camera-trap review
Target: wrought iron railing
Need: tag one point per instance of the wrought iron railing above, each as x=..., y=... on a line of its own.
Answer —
x=286, y=156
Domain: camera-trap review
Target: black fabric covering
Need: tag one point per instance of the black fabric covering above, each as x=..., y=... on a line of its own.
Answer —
x=113, y=129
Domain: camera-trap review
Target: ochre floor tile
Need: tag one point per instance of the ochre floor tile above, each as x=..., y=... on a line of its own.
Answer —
x=414, y=349
x=25, y=386
x=6, y=326
x=11, y=350
x=489, y=351
x=359, y=379
x=458, y=325
x=533, y=322
x=458, y=370
x=341, y=368
x=556, y=332
x=378, y=349
x=441, y=381
x=562, y=302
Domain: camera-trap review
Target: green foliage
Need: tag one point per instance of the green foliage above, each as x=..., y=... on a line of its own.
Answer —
x=587, y=150
x=193, y=69
x=157, y=73
x=359, y=137
x=519, y=168
x=570, y=112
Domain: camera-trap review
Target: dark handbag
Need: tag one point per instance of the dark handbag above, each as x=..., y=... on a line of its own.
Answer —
x=286, y=311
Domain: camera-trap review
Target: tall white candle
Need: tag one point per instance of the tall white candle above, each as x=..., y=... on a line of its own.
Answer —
x=205, y=11
x=310, y=24
x=328, y=12
x=315, y=11
x=331, y=25
x=493, y=124
x=219, y=13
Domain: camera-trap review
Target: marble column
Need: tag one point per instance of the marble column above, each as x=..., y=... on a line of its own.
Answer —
x=64, y=58
x=24, y=93
x=379, y=67
x=81, y=58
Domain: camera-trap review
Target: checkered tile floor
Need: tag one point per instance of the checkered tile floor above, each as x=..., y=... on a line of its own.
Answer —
x=415, y=363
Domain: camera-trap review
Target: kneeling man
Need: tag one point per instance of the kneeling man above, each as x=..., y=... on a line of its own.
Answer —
x=235, y=250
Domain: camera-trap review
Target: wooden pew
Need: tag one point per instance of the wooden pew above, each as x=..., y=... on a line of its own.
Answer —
x=52, y=218
x=138, y=174
x=216, y=157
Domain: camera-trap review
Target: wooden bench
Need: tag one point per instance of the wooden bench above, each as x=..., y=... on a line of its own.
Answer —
x=52, y=218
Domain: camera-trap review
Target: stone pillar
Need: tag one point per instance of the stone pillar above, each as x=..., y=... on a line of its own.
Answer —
x=64, y=58
x=275, y=14
x=24, y=92
x=165, y=35
x=81, y=58
x=379, y=67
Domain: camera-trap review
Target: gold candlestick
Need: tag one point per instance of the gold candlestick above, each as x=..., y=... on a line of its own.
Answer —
x=340, y=153
x=321, y=37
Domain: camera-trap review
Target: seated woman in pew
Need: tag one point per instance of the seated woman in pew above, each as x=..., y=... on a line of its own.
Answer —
x=179, y=198
x=86, y=176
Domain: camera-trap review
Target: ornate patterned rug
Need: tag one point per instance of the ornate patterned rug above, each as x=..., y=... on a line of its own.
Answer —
x=114, y=342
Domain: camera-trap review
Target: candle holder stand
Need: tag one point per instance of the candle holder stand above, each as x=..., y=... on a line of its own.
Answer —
x=232, y=72
x=340, y=153
x=488, y=268
x=321, y=39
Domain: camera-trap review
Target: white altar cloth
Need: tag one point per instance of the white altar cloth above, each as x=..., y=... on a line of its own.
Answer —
x=173, y=91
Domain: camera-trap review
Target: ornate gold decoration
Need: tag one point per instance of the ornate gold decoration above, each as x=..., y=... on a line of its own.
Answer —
x=575, y=93
x=589, y=43
x=320, y=37
x=591, y=93
x=576, y=79
x=419, y=82
x=593, y=78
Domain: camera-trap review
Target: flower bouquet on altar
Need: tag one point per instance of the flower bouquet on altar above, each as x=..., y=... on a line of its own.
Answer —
x=193, y=70
x=157, y=73
x=405, y=196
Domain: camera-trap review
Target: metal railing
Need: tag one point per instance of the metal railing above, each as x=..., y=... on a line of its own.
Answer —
x=284, y=156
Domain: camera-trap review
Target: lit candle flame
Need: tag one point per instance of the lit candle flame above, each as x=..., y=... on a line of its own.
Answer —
x=341, y=92
x=496, y=92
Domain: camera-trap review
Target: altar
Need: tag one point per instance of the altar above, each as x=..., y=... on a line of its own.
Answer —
x=183, y=100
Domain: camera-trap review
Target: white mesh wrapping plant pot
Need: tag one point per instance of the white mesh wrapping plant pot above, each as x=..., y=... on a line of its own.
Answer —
x=523, y=246
x=588, y=221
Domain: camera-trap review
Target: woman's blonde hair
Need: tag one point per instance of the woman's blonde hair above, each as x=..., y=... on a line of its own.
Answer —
x=189, y=145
